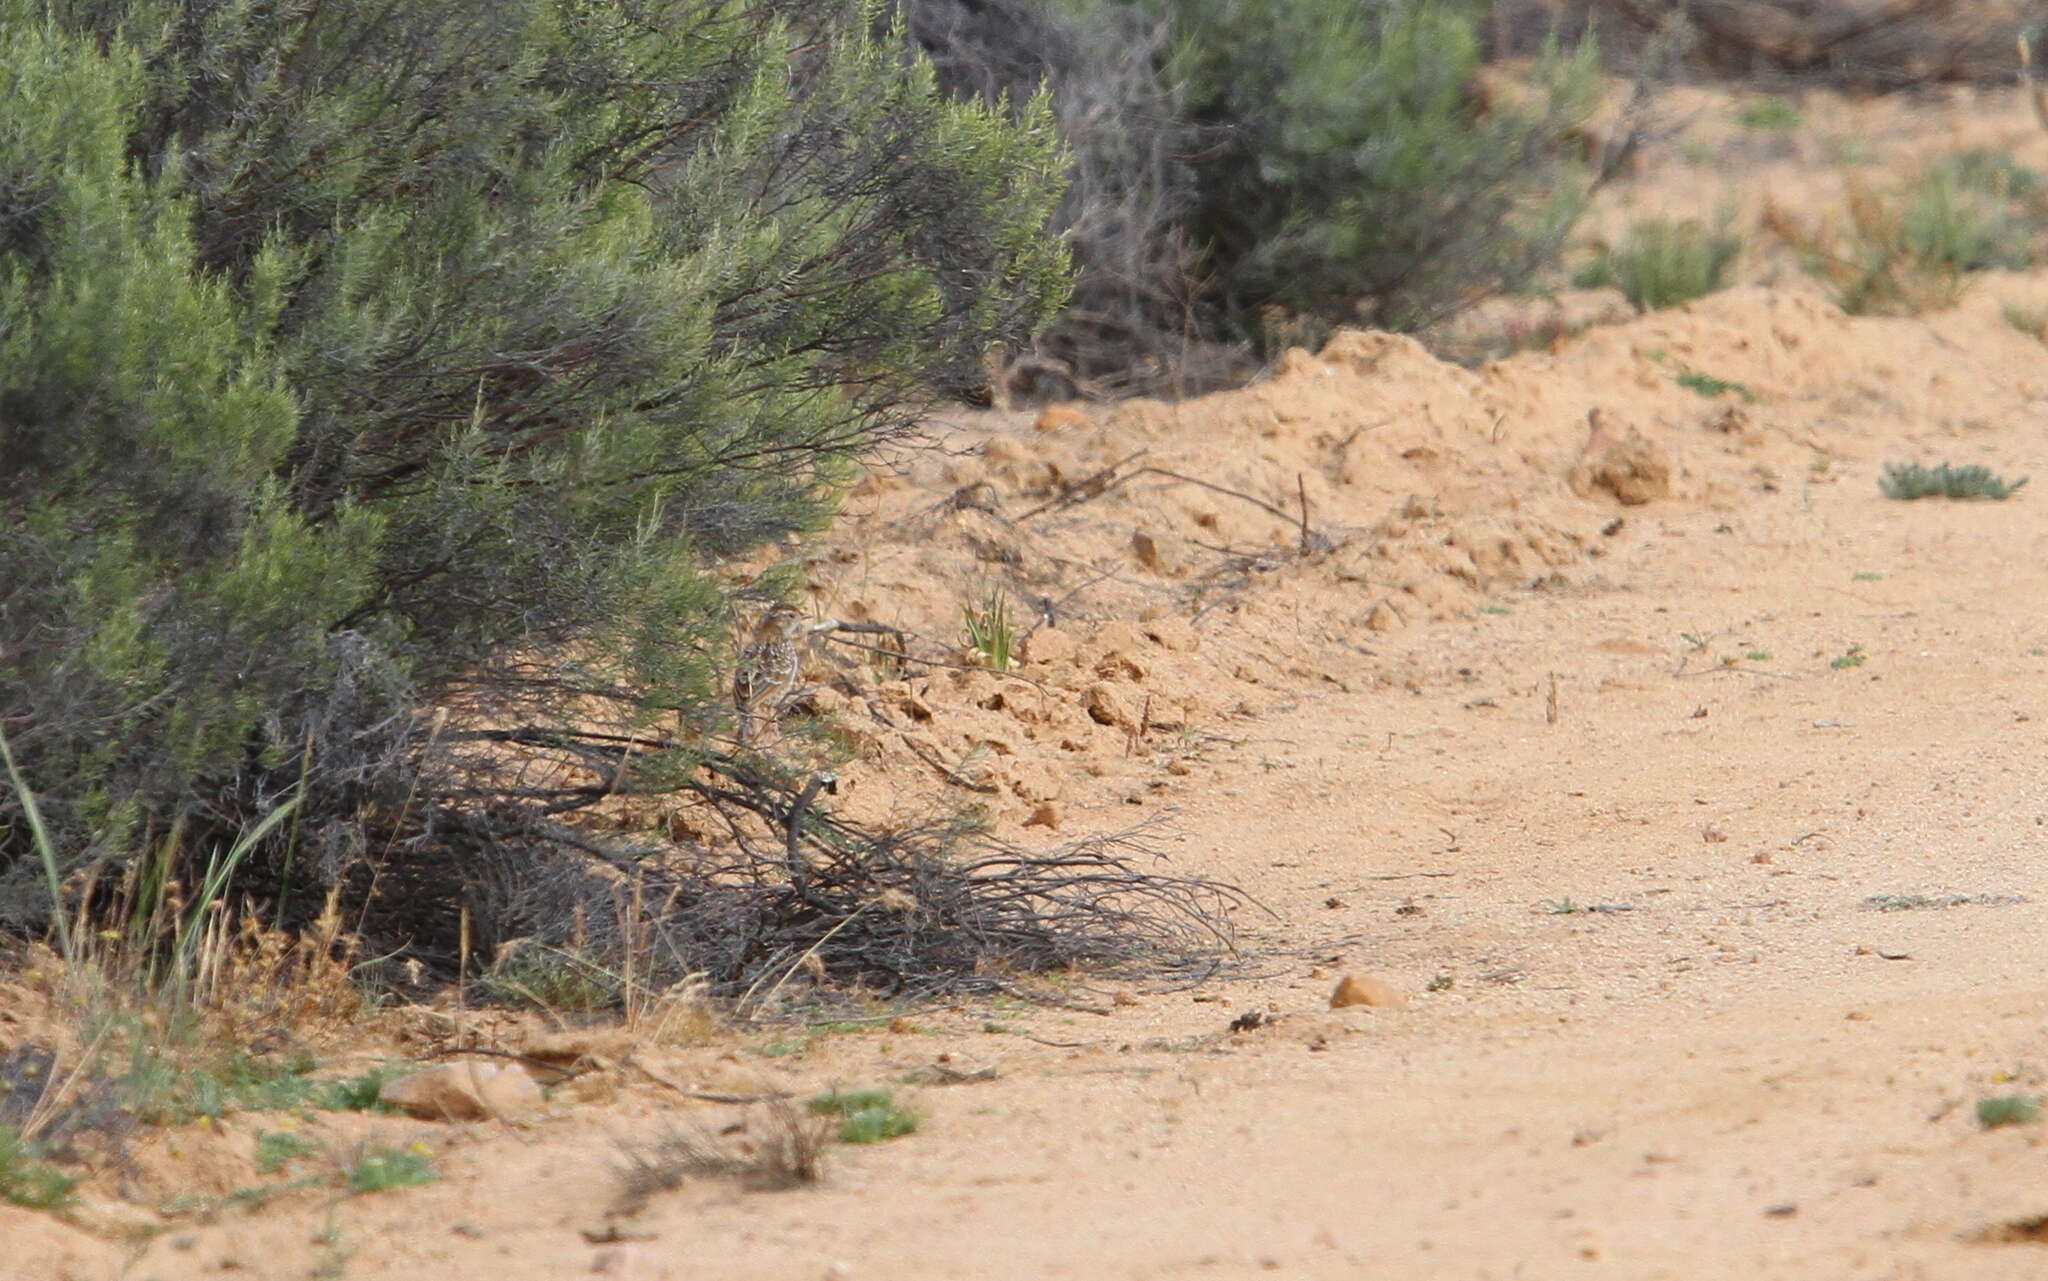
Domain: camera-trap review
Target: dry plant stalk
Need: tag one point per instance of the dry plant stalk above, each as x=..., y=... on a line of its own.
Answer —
x=780, y=1146
x=1869, y=266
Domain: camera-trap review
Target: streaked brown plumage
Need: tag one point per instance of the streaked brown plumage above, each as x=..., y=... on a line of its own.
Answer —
x=769, y=668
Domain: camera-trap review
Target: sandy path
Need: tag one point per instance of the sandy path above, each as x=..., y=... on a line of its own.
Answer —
x=1722, y=1075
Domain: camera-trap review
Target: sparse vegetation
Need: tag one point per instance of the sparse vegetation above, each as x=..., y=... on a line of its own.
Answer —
x=1912, y=249
x=26, y=1179
x=551, y=978
x=865, y=1116
x=784, y=1147
x=1921, y=902
x=380, y=1168
x=2031, y=321
x=990, y=633
x=1908, y=481
x=1661, y=263
x=1773, y=115
x=277, y=1148
x=2010, y=1109
x=1850, y=657
x=1708, y=385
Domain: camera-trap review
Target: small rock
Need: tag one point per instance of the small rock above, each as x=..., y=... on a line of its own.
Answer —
x=1048, y=645
x=1173, y=633
x=1625, y=464
x=464, y=1092
x=1713, y=835
x=1382, y=618
x=1364, y=989
x=1107, y=705
x=1163, y=554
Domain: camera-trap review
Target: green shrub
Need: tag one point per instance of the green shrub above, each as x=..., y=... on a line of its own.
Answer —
x=2031, y=321
x=1237, y=163
x=553, y=979
x=1351, y=176
x=380, y=1168
x=1990, y=170
x=866, y=1116
x=1774, y=115
x=1662, y=264
x=26, y=1179
x=361, y=360
x=2012, y=1109
x=1911, y=480
x=1912, y=249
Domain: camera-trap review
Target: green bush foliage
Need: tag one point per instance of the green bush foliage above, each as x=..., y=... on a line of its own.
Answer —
x=1663, y=263
x=1331, y=161
x=363, y=362
x=1910, y=480
x=1354, y=176
x=1915, y=248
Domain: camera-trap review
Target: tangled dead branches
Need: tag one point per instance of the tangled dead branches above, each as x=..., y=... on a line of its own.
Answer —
x=796, y=895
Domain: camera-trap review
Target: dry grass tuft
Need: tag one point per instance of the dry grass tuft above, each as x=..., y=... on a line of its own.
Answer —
x=777, y=1146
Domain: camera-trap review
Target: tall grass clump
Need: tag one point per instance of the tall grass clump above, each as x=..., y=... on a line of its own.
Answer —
x=1914, y=248
x=383, y=387
x=1661, y=263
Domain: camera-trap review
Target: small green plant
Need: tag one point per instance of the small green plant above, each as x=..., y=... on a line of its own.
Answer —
x=1908, y=481
x=360, y=1093
x=1663, y=263
x=1772, y=115
x=990, y=632
x=26, y=1179
x=2009, y=1109
x=277, y=1148
x=1867, y=576
x=553, y=979
x=865, y=1116
x=1850, y=151
x=1495, y=609
x=2031, y=321
x=1758, y=656
x=1559, y=907
x=1990, y=170
x=1850, y=657
x=1921, y=902
x=1440, y=983
x=381, y=1168
x=1708, y=385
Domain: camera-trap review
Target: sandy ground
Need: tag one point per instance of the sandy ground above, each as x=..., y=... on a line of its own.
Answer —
x=1617, y=793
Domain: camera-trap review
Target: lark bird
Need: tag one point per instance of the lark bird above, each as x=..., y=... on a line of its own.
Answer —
x=770, y=666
